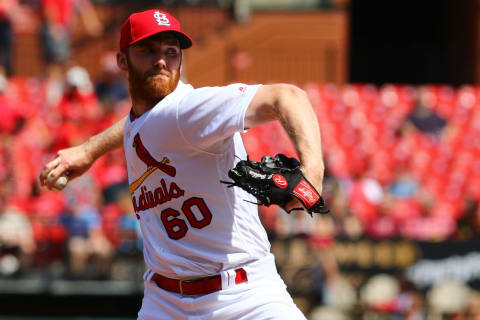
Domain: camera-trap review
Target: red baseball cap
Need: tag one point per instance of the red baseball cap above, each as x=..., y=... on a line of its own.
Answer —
x=141, y=25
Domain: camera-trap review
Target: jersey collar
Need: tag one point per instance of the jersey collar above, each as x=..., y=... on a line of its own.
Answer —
x=133, y=116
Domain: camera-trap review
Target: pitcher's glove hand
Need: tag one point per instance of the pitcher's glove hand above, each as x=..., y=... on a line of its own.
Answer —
x=276, y=181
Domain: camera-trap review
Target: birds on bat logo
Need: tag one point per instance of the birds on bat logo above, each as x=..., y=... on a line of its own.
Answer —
x=152, y=163
x=163, y=193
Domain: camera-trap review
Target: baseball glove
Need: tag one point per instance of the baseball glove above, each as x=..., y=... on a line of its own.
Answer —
x=276, y=181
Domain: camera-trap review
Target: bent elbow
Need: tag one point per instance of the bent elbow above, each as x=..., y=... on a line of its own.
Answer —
x=288, y=93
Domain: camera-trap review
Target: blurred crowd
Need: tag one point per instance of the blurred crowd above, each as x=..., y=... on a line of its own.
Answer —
x=92, y=217
x=402, y=162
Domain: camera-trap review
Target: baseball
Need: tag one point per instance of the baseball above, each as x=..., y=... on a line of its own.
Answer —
x=60, y=183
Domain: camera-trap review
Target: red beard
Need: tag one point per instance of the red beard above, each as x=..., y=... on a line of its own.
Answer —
x=151, y=86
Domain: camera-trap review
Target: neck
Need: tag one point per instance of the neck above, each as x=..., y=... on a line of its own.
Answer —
x=141, y=105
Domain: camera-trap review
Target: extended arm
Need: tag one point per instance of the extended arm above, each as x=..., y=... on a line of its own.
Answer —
x=75, y=161
x=290, y=105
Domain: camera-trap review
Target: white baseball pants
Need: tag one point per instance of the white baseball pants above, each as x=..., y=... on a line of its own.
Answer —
x=263, y=297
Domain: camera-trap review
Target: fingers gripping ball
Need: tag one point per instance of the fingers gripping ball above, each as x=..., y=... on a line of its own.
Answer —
x=277, y=180
x=60, y=183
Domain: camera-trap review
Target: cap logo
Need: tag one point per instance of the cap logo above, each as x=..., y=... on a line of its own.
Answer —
x=161, y=18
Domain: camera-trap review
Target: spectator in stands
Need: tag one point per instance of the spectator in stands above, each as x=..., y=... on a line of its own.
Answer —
x=50, y=236
x=449, y=299
x=379, y=295
x=77, y=107
x=384, y=225
x=79, y=223
x=57, y=24
x=130, y=241
x=410, y=303
x=8, y=10
x=89, y=250
x=340, y=294
x=111, y=87
x=16, y=239
x=58, y=20
x=405, y=185
x=365, y=197
x=325, y=271
x=9, y=116
x=347, y=225
x=78, y=101
x=423, y=117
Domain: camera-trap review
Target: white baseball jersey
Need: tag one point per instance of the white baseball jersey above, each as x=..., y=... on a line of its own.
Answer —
x=177, y=153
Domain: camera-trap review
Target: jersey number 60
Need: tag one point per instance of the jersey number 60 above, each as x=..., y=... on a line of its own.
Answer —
x=177, y=228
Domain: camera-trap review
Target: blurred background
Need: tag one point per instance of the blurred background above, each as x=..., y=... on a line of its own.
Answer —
x=395, y=88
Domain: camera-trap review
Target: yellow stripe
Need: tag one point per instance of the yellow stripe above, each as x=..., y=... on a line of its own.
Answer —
x=134, y=186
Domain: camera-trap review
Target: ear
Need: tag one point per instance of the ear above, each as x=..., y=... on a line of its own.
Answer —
x=180, y=68
x=122, y=62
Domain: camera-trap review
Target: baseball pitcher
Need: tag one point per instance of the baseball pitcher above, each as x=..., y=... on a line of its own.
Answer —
x=207, y=253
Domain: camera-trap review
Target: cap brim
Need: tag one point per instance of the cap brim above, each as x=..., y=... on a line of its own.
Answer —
x=185, y=40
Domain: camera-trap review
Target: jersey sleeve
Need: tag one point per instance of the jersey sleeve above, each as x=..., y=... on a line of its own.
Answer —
x=208, y=116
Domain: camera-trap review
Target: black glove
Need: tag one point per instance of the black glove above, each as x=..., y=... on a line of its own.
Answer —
x=276, y=181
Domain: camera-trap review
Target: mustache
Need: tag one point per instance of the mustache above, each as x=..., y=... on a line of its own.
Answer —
x=157, y=73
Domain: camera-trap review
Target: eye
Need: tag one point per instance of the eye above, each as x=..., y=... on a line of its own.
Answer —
x=172, y=52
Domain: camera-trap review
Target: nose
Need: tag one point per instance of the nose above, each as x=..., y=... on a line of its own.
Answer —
x=160, y=62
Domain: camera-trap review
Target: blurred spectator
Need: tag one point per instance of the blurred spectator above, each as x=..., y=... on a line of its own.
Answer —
x=122, y=229
x=79, y=223
x=346, y=224
x=9, y=117
x=87, y=244
x=48, y=233
x=78, y=109
x=16, y=239
x=410, y=301
x=58, y=17
x=78, y=101
x=340, y=294
x=110, y=86
x=404, y=185
x=424, y=117
x=129, y=234
x=58, y=20
x=380, y=293
x=25, y=153
x=449, y=299
x=8, y=10
x=323, y=232
x=365, y=197
x=297, y=223
x=384, y=225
